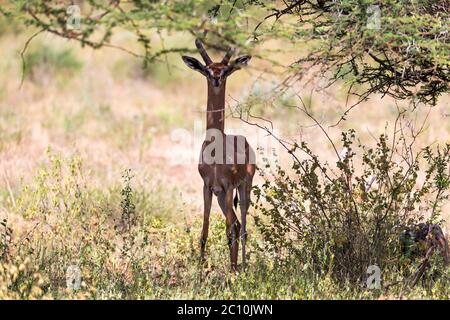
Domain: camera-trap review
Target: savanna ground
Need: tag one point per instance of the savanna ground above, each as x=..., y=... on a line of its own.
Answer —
x=98, y=171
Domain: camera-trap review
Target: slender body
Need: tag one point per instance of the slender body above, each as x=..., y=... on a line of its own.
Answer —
x=227, y=162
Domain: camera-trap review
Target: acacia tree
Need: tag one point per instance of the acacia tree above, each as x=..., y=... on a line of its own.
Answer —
x=394, y=47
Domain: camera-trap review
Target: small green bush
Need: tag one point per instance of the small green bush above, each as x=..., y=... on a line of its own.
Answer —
x=125, y=247
x=339, y=220
x=45, y=61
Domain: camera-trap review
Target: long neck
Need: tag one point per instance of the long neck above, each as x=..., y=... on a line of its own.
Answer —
x=215, y=111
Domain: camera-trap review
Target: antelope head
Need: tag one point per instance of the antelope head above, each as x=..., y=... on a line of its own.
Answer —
x=215, y=72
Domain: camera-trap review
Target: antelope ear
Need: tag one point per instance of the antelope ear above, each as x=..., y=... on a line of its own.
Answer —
x=194, y=64
x=237, y=64
x=241, y=61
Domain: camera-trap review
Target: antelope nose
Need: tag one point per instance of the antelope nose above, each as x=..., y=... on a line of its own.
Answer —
x=216, y=82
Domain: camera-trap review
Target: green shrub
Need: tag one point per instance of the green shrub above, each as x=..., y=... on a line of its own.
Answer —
x=104, y=233
x=45, y=61
x=339, y=220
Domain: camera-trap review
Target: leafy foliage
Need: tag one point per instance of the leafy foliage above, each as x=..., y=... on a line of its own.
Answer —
x=339, y=220
x=397, y=48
